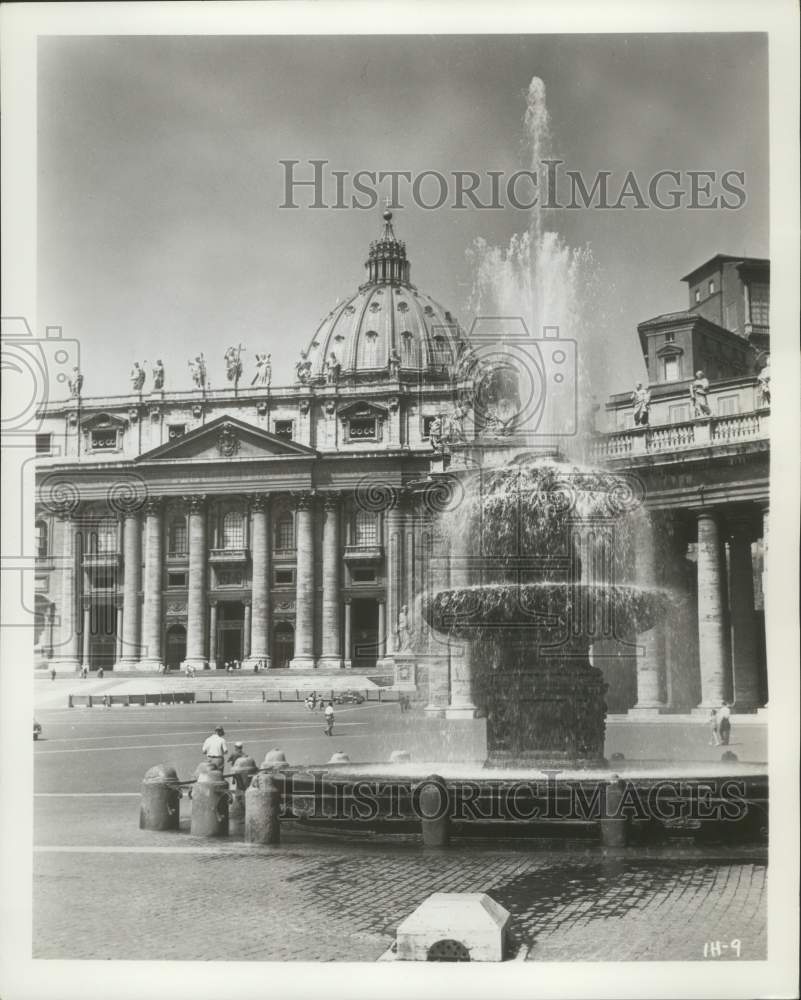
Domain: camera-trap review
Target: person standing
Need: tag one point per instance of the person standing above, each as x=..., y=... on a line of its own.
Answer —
x=215, y=748
x=724, y=723
x=713, y=722
x=329, y=719
x=236, y=753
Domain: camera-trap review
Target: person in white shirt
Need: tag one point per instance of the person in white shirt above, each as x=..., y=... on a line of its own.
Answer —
x=724, y=723
x=215, y=748
x=329, y=719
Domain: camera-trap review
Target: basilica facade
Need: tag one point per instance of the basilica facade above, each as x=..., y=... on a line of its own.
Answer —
x=286, y=527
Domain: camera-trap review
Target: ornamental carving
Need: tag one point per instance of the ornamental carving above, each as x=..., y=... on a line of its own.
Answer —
x=284, y=605
x=259, y=502
x=227, y=442
x=304, y=405
x=262, y=408
x=303, y=501
x=153, y=506
x=176, y=609
x=197, y=411
x=196, y=503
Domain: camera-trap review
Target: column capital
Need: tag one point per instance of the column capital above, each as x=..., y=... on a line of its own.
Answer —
x=331, y=500
x=153, y=506
x=213, y=602
x=195, y=502
x=303, y=499
x=259, y=502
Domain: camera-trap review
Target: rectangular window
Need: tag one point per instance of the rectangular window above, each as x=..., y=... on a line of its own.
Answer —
x=728, y=405
x=229, y=578
x=283, y=429
x=669, y=338
x=362, y=428
x=363, y=575
x=760, y=305
x=103, y=579
x=671, y=369
x=678, y=413
x=104, y=440
x=365, y=529
x=284, y=577
x=176, y=579
x=698, y=295
x=175, y=431
x=285, y=533
x=711, y=287
x=43, y=444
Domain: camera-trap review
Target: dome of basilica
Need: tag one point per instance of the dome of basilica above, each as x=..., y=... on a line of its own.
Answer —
x=387, y=324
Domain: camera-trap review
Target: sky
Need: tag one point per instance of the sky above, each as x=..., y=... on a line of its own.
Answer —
x=160, y=231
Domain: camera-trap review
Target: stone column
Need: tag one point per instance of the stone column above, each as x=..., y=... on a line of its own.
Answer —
x=152, y=607
x=213, y=635
x=118, y=635
x=132, y=568
x=331, y=658
x=651, y=643
x=260, y=551
x=304, y=584
x=196, y=596
x=65, y=648
x=744, y=640
x=461, y=705
x=87, y=632
x=435, y=576
x=711, y=612
x=393, y=550
x=347, y=662
x=382, y=630
x=246, y=629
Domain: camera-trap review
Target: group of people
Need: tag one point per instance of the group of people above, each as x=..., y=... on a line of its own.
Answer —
x=215, y=748
x=327, y=708
x=720, y=721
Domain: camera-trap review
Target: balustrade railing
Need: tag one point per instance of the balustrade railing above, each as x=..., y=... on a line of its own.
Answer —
x=686, y=434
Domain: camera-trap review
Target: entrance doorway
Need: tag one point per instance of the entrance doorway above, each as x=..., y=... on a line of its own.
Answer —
x=283, y=645
x=175, y=647
x=102, y=635
x=364, y=634
x=230, y=632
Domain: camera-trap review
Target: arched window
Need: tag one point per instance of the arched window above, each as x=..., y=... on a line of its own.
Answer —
x=408, y=350
x=42, y=540
x=441, y=351
x=176, y=545
x=365, y=529
x=233, y=530
x=285, y=532
x=370, y=357
x=106, y=538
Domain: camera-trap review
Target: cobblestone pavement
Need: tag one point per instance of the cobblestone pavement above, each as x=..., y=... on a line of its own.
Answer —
x=316, y=902
x=103, y=889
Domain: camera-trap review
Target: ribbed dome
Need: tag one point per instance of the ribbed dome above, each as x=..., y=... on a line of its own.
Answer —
x=386, y=313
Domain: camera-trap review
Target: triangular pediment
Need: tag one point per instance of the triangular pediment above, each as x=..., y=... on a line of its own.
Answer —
x=227, y=439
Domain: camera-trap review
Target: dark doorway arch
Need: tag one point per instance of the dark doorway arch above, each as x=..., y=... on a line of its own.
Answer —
x=175, y=647
x=283, y=645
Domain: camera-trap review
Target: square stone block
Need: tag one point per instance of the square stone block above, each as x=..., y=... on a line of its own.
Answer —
x=464, y=924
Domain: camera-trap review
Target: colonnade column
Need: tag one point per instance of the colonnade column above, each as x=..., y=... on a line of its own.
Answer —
x=132, y=567
x=331, y=655
x=387, y=636
x=259, y=652
x=304, y=584
x=651, y=643
x=86, y=632
x=348, y=663
x=744, y=640
x=196, y=593
x=711, y=612
x=152, y=605
x=213, y=610
x=117, y=634
x=461, y=705
x=65, y=650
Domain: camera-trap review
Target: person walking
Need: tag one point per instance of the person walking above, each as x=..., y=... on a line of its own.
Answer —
x=724, y=723
x=713, y=722
x=215, y=748
x=329, y=719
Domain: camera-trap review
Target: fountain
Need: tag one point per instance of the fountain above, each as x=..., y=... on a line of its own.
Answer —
x=549, y=541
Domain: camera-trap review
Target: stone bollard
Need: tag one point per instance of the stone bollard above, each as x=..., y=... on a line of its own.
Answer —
x=210, y=798
x=275, y=758
x=338, y=757
x=433, y=802
x=400, y=757
x=614, y=828
x=204, y=767
x=263, y=811
x=243, y=771
x=160, y=805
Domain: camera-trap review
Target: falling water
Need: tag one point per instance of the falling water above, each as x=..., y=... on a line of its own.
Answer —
x=547, y=283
